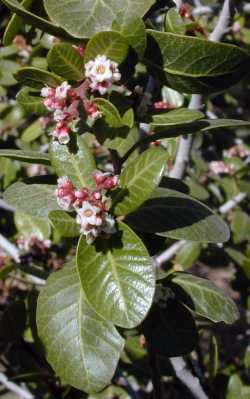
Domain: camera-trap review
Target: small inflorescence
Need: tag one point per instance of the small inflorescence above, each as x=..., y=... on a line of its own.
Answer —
x=92, y=206
x=102, y=74
x=64, y=100
x=220, y=167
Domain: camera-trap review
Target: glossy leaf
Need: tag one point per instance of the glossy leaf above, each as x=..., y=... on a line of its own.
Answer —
x=82, y=348
x=118, y=279
x=36, y=199
x=14, y=25
x=32, y=132
x=112, y=44
x=172, y=214
x=8, y=69
x=26, y=156
x=139, y=179
x=205, y=298
x=65, y=61
x=195, y=65
x=170, y=329
x=64, y=223
x=174, y=22
x=83, y=18
x=76, y=163
x=28, y=225
x=31, y=101
x=37, y=78
x=133, y=29
x=176, y=117
x=110, y=113
x=34, y=20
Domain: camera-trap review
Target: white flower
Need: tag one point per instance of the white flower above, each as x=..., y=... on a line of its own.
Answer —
x=62, y=91
x=88, y=215
x=102, y=73
x=60, y=115
x=65, y=202
x=45, y=92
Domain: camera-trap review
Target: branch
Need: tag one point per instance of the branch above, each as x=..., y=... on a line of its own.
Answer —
x=168, y=254
x=187, y=378
x=222, y=24
x=185, y=144
x=237, y=199
x=10, y=248
x=11, y=386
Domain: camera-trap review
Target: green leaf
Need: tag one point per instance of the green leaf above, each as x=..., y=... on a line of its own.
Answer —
x=28, y=225
x=139, y=179
x=110, y=112
x=8, y=51
x=193, y=65
x=64, y=223
x=82, y=348
x=112, y=44
x=188, y=254
x=240, y=227
x=14, y=25
x=172, y=97
x=37, y=78
x=65, y=61
x=31, y=101
x=32, y=132
x=242, y=260
x=118, y=280
x=177, y=117
x=82, y=18
x=174, y=22
x=26, y=156
x=170, y=329
x=172, y=214
x=76, y=163
x=205, y=298
x=36, y=199
x=32, y=19
x=133, y=29
x=8, y=69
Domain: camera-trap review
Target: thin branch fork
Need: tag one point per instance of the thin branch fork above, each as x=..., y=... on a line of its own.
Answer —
x=11, y=386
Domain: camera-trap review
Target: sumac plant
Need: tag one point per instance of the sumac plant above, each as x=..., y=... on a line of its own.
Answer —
x=113, y=94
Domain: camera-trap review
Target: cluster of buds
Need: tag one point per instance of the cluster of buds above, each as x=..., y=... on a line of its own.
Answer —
x=92, y=206
x=102, y=74
x=63, y=103
x=220, y=167
x=162, y=105
x=24, y=48
x=238, y=150
x=28, y=243
x=79, y=49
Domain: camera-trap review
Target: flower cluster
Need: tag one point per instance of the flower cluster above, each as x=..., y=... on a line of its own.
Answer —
x=102, y=73
x=24, y=49
x=28, y=243
x=64, y=100
x=238, y=150
x=92, y=206
x=162, y=105
x=220, y=167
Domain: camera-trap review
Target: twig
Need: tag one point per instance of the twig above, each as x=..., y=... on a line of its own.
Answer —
x=5, y=206
x=222, y=24
x=232, y=203
x=166, y=255
x=185, y=144
x=10, y=248
x=187, y=378
x=11, y=386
